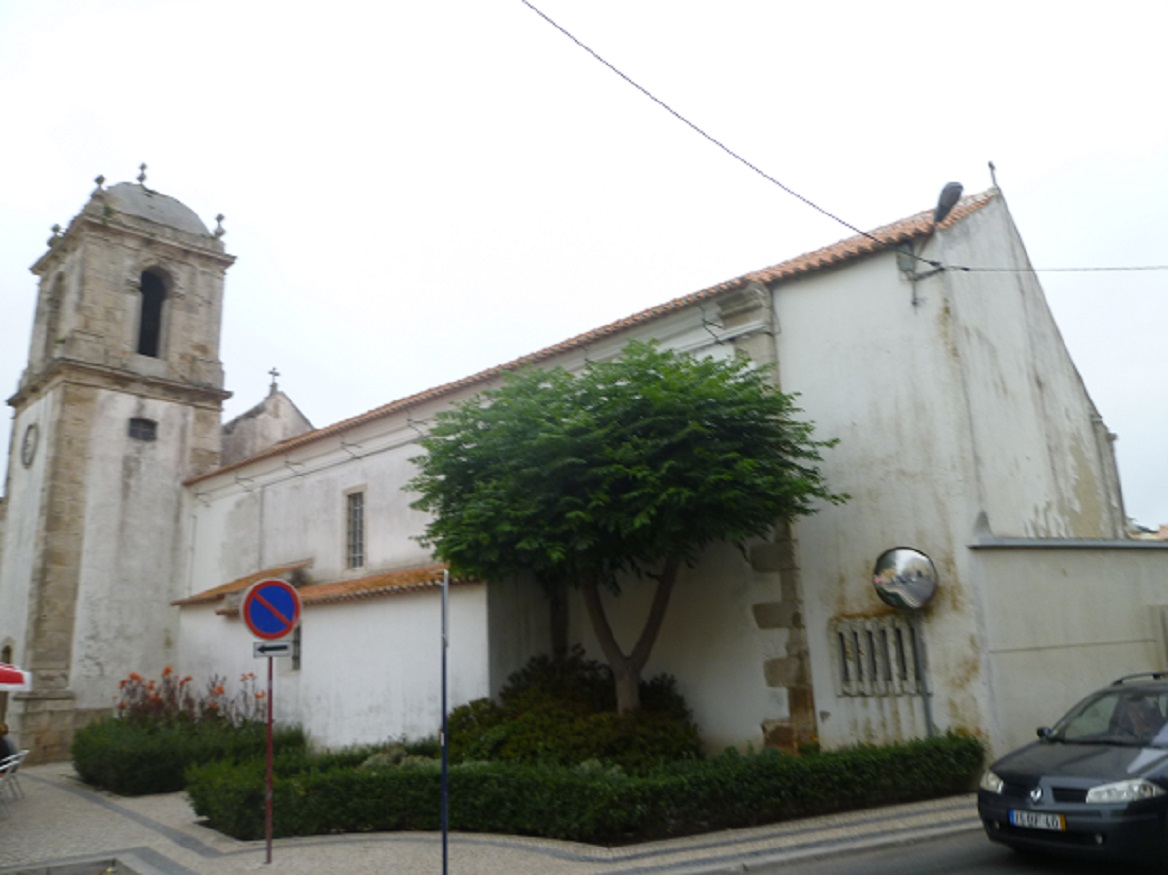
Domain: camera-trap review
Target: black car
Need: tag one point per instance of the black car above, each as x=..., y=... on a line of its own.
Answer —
x=1095, y=784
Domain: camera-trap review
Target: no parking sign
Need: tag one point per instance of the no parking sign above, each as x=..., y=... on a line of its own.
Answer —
x=271, y=609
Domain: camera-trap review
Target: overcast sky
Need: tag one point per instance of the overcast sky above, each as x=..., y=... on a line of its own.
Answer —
x=418, y=191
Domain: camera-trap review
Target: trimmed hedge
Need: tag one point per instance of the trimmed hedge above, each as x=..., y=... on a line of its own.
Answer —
x=587, y=803
x=133, y=759
x=562, y=712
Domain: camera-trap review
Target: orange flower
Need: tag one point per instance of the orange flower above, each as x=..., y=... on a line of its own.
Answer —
x=259, y=695
x=213, y=705
x=186, y=680
x=121, y=705
x=167, y=671
x=134, y=676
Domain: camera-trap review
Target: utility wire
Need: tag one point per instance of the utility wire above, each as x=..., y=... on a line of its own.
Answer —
x=934, y=264
x=708, y=136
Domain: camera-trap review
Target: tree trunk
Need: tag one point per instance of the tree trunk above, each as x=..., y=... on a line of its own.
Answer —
x=558, y=611
x=626, y=669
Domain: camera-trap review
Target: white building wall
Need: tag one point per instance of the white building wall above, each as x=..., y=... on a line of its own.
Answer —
x=1064, y=621
x=370, y=669
x=25, y=490
x=883, y=381
x=961, y=407
x=708, y=642
x=124, y=619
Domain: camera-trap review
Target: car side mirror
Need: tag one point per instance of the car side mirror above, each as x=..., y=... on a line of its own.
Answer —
x=1044, y=732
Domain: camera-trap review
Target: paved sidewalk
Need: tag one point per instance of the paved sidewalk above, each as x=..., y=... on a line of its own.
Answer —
x=60, y=822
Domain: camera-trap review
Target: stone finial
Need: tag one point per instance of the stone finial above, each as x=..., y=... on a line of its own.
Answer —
x=56, y=229
x=274, y=387
x=100, y=180
x=142, y=175
x=219, y=232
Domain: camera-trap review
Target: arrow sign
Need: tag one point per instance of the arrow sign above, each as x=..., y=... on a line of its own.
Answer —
x=271, y=609
x=271, y=648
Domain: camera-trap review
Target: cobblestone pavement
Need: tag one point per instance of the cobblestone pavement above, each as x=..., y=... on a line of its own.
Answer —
x=62, y=826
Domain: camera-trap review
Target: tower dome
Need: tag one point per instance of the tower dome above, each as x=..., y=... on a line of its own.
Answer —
x=138, y=200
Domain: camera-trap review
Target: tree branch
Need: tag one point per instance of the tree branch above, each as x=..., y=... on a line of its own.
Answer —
x=640, y=653
x=600, y=625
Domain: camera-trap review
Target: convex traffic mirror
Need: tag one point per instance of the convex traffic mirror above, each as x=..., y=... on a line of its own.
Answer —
x=905, y=578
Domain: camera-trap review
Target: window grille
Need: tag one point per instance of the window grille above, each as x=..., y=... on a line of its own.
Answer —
x=355, y=525
x=143, y=429
x=875, y=657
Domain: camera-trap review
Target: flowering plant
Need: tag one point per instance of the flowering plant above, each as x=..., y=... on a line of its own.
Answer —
x=172, y=699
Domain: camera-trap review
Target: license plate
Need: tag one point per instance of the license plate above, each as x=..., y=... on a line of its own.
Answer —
x=1038, y=820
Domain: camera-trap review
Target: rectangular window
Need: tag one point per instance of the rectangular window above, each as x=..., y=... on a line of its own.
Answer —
x=355, y=530
x=143, y=429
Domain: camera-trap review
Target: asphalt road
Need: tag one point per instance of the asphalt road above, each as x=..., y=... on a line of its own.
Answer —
x=966, y=853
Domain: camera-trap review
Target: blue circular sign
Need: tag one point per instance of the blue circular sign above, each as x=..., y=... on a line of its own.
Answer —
x=271, y=609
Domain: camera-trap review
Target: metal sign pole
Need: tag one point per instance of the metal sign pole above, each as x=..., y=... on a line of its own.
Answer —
x=268, y=783
x=445, y=786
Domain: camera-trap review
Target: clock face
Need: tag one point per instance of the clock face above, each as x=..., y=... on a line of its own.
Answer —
x=28, y=446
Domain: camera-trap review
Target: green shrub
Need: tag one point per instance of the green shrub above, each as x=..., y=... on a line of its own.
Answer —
x=132, y=758
x=563, y=712
x=590, y=802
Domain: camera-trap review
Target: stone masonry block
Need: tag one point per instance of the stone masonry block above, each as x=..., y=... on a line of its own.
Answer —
x=784, y=672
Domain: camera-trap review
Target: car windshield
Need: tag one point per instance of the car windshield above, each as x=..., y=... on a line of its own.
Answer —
x=1117, y=715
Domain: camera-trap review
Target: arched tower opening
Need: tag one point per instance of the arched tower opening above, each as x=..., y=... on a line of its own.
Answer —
x=153, y=287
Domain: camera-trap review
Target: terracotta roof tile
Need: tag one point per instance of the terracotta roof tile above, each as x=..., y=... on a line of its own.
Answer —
x=852, y=248
x=219, y=593
x=373, y=585
x=385, y=583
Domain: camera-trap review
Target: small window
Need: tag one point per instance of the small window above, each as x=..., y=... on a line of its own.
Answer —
x=143, y=429
x=355, y=530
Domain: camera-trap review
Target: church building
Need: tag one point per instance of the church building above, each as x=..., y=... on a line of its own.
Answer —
x=133, y=519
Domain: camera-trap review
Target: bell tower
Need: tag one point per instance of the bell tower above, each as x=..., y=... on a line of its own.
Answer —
x=120, y=402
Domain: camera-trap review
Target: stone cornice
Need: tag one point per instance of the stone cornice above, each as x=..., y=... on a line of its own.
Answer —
x=186, y=244
x=117, y=380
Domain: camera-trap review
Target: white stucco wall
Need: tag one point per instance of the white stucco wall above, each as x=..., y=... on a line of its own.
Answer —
x=708, y=642
x=124, y=619
x=959, y=408
x=20, y=532
x=370, y=669
x=291, y=508
x=1065, y=619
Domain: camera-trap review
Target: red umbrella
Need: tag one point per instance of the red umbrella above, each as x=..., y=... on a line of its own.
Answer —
x=13, y=679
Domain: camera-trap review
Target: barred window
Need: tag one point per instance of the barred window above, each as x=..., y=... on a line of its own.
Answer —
x=875, y=656
x=143, y=429
x=355, y=530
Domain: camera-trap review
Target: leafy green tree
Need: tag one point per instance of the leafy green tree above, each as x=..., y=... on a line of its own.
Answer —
x=619, y=474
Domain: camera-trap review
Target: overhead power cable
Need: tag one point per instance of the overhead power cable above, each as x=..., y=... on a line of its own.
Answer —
x=699, y=130
x=937, y=265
